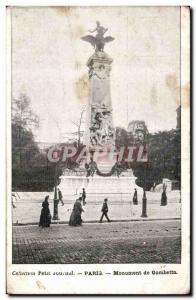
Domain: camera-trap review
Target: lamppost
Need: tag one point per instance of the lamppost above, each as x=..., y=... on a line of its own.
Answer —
x=144, y=199
x=56, y=202
x=141, y=173
x=144, y=205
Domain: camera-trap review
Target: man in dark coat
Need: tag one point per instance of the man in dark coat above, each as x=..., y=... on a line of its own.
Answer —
x=105, y=210
x=60, y=196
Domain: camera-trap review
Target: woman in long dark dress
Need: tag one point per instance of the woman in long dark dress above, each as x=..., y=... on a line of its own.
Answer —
x=75, y=218
x=45, y=217
x=163, y=198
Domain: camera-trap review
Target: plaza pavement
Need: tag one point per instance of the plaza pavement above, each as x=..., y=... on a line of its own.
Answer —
x=130, y=242
x=28, y=208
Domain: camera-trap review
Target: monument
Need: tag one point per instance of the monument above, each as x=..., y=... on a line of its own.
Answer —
x=102, y=174
x=99, y=125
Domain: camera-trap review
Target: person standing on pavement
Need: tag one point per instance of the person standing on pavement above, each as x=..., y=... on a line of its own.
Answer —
x=164, y=196
x=83, y=196
x=60, y=197
x=135, y=202
x=45, y=217
x=105, y=211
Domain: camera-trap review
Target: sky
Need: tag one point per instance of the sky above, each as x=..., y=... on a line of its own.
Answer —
x=49, y=64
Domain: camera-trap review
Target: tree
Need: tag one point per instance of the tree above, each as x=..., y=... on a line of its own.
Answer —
x=121, y=137
x=76, y=136
x=22, y=114
x=23, y=120
x=163, y=152
x=164, y=159
x=31, y=170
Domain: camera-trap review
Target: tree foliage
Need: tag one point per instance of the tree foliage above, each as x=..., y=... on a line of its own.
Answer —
x=164, y=159
x=163, y=152
x=30, y=169
x=121, y=137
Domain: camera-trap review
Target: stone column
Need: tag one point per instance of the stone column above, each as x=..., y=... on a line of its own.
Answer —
x=99, y=123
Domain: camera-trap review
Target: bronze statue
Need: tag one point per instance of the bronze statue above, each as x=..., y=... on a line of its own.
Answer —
x=98, y=42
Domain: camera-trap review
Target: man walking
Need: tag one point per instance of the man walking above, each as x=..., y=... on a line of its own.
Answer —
x=105, y=210
x=60, y=197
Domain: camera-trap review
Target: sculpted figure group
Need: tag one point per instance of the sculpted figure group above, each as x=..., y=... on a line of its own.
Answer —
x=101, y=132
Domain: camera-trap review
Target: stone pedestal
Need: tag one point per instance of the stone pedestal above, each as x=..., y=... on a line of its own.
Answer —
x=98, y=187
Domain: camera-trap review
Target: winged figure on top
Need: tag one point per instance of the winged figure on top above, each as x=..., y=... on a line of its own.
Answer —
x=98, y=42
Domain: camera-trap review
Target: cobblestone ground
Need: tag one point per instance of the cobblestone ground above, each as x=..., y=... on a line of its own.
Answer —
x=130, y=242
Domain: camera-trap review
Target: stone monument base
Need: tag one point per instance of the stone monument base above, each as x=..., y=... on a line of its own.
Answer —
x=97, y=187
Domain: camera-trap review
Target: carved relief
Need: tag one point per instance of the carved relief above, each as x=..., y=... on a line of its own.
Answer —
x=101, y=130
x=99, y=65
x=99, y=69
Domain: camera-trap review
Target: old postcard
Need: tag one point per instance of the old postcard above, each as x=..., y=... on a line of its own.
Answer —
x=98, y=150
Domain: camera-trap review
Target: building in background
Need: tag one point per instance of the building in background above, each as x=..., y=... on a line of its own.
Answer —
x=137, y=130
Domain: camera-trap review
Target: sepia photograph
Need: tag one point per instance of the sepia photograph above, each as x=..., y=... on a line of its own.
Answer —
x=98, y=143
